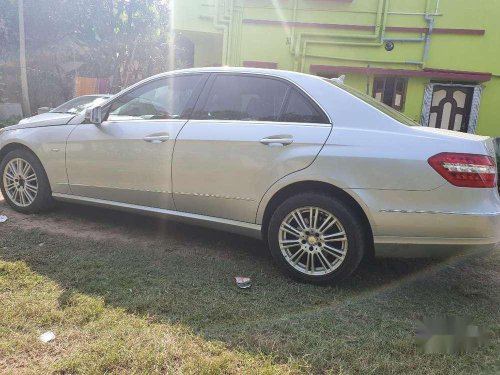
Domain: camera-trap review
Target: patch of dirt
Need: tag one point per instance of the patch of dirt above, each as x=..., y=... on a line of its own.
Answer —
x=62, y=221
x=99, y=224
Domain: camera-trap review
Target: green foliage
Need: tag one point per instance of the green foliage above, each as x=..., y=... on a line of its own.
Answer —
x=115, y=35
x=121, y=40
x=8, y=28
x=9, y=121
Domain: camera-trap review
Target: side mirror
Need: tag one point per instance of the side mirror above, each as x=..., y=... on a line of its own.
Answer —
x=94, y=115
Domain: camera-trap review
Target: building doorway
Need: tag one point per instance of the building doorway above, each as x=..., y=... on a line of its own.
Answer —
x=451, y=107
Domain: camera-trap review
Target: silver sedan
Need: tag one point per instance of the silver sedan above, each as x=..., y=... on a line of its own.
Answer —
x=322, y=173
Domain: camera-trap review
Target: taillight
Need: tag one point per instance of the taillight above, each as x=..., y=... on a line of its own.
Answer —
x=466, y=170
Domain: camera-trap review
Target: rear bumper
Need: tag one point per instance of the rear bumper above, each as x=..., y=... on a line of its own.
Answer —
x=434, y=223
x=431, y=250
x=474, y=233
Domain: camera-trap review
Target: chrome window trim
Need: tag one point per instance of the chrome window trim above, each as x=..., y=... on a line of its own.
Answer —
x=283, y=123
x=145, y=120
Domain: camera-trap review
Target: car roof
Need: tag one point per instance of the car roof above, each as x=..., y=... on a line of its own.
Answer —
x=92, y=96
x=285, y=74
x=227, y=69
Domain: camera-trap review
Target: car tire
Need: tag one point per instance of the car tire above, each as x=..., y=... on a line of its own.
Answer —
x=24, y=183
x=316, y=251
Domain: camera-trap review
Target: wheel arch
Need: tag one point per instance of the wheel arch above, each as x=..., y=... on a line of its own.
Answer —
x=320, y=187
x=16, y=146
x=19, y=146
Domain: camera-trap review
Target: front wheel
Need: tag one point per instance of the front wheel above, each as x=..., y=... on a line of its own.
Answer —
x=316, y=238
x=24, y=183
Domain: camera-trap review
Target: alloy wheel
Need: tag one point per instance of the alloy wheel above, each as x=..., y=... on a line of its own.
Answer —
x=20, y=182
x=313, y=241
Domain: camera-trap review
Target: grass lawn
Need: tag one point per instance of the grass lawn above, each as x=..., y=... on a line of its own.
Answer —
x=170, y=305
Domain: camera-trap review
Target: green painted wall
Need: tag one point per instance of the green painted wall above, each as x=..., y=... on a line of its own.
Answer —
x=489, y=119
x=243, y=37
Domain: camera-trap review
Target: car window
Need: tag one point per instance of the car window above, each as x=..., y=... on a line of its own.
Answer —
x=245, y=98
x=300, y=109
x=162, y=99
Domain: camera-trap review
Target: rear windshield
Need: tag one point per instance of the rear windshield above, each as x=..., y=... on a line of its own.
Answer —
x=391, y=112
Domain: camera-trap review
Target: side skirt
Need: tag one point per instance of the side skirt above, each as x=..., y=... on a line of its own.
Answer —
x=233, y=226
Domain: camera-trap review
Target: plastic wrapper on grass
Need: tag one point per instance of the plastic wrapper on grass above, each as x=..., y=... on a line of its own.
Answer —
x=243, y=282
x=47, y=337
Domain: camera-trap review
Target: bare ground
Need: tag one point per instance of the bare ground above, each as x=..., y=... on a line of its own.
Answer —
x=99, y=224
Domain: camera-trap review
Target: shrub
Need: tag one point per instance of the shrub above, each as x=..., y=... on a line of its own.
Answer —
x=9, y=121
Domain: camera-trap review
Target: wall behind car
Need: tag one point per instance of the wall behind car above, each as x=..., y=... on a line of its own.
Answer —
x=437, y=47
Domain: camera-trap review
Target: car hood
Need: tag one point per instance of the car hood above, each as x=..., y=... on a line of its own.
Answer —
x=45, y=119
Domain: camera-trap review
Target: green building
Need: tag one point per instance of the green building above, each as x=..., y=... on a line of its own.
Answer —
x=438, y=61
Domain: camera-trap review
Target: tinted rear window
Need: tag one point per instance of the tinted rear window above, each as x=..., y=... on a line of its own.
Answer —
x=300, y=109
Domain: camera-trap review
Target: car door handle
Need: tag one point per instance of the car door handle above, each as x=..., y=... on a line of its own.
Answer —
x=277, y=141
x=157, y=138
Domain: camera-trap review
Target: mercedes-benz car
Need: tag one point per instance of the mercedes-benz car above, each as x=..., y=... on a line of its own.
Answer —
x=323, y=174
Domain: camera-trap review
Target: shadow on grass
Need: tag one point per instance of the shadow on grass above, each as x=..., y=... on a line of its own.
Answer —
x=180, y=273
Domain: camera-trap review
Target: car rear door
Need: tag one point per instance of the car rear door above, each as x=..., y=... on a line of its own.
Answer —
x=247, y=132
x=128, y=157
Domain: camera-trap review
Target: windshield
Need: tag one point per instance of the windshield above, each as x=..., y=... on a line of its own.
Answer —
x=401, y=117
x=80, y=104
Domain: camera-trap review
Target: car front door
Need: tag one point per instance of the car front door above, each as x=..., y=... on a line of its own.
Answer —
x=128, y=157
x=247, y=132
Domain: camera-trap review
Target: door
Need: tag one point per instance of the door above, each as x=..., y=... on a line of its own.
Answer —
x=451, y=107
x=249, y=131
x=128, y=157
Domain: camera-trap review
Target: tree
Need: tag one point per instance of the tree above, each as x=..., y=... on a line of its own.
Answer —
x=108, y=34
x=8, y=29
x=124, y=40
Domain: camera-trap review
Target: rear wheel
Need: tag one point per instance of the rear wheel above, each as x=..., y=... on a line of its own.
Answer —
x=24, y=183
x=316, y=238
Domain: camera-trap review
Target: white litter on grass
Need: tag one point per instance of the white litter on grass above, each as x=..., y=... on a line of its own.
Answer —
x=3, y=218
x=243, y=282
x=47, y=337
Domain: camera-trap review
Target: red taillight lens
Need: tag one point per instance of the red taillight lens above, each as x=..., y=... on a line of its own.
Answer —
x=466, y=170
